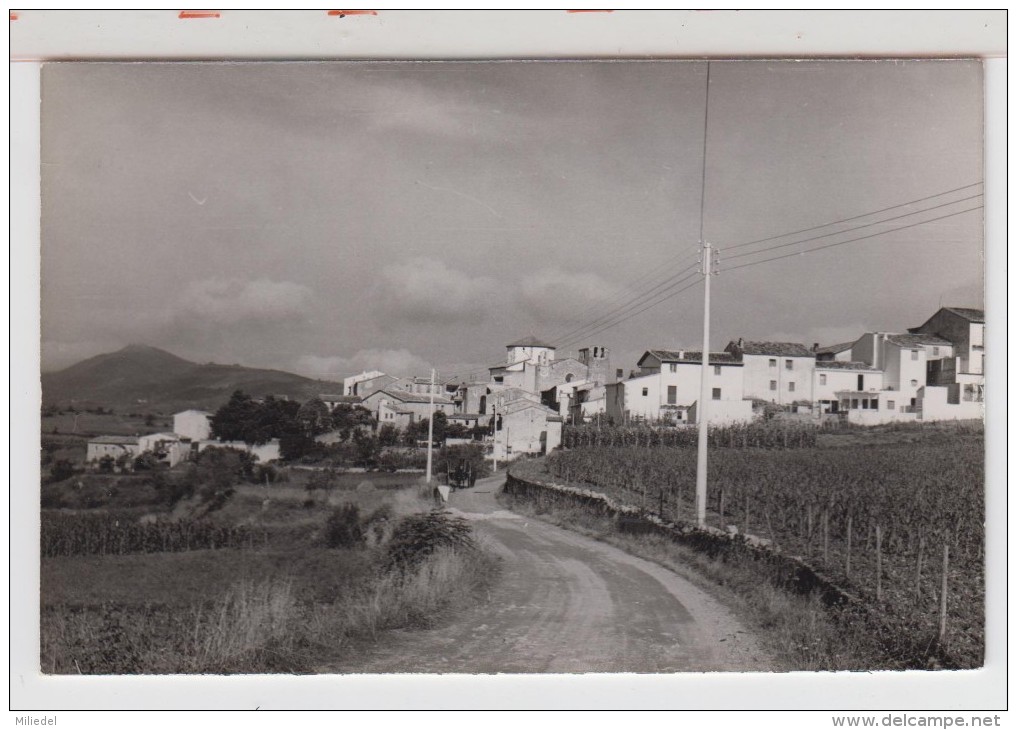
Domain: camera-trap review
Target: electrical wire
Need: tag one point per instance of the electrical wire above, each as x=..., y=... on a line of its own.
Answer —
x=852, y=218
x=854, y=228
x=852, y=240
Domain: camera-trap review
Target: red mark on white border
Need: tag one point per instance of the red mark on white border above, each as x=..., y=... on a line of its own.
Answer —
x=186, y=14
x=14, y=16
x=344, y=13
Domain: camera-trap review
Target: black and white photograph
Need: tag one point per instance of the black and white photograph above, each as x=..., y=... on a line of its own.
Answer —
x=487, y=367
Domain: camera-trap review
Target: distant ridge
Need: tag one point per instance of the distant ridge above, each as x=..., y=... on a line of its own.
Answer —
x=143, y=378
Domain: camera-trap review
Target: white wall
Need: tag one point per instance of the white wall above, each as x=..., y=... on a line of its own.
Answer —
x=759, y=374
x=686, y=381
x=839, y=379
x=193, y=425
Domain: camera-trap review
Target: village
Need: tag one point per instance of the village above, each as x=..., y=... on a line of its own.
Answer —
x=931, y=372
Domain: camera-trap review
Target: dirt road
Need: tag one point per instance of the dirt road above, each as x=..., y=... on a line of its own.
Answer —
x=567, y=603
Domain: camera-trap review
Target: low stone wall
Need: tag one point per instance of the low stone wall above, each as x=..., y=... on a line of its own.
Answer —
x=788, y=572
x=527, y=480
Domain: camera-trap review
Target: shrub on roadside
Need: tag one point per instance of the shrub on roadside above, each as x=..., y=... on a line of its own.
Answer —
x=343, y=528
x=417, y=536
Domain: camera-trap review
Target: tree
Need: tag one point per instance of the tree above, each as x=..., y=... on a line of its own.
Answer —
x=388, y=435
x=244, y=419
x=61, y=469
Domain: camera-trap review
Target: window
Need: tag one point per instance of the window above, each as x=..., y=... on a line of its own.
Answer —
x=789, y=364
x=716, y=393
x=822, y=378
x=891, y=405
x=773, y=385
x=773, y=362
x=716, y=369
x=861, y=382
x=914, y=354
x=854, y=403
x=672, y=394
x=935, y=350
x=791, y=387
x=674, y=367
x=646, y=391
x=914, y=383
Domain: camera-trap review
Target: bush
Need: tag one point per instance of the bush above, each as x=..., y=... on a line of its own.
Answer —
x=61, y=469
x=417, y=536
x=343, y=528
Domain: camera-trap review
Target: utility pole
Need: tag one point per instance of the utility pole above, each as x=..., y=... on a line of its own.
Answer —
x=494, y=433
x=704, y=379
x=704, y=393
x=430, y=430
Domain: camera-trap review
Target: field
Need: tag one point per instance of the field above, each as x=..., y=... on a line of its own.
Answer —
x=893, y=515
x=275, y=578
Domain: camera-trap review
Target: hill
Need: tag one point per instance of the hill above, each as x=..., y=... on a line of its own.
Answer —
x=140, y=377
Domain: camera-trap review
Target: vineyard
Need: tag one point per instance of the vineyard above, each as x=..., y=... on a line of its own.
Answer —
x=105, y=533
x=755, y=435
x=902, y=526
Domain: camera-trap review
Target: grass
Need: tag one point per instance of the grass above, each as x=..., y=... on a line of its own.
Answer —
x=289, y=605
x=798, y=631
x=106, y=424
x=262, y=626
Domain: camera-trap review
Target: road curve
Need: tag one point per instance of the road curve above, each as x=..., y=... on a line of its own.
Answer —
x=566, y=603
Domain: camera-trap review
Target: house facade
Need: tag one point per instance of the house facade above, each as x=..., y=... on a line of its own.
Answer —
x=835, y=376
x=525, y=427
x=666, y=389
x=776, y=372
x=416, y=405
x=193, y=424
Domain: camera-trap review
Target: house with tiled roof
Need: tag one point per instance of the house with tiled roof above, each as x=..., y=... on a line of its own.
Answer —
x=903, y=358
x=777, y=372
x=525, y=427
x=964, y=328
x=836, y=376
x=411, y=407
x=666, y=389
x=841, y=351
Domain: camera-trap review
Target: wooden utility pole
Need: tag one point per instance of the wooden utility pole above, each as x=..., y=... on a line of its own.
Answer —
x=704, y=393
x=430, y=429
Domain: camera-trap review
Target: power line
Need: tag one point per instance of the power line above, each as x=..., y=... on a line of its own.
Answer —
x=854, y=228
x=651, y=305
x=668, y=284
x=852, y=218
x=606, y=308
x=852, y=240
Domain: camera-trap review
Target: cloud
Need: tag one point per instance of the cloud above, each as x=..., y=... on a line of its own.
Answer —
x=556, y=295
x=393, y=362
x=234, y=301
x=427, y=291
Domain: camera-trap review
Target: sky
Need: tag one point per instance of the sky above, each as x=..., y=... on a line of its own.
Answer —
x=326, y=218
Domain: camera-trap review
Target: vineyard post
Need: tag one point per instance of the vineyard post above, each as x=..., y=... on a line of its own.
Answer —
x=879, y=562
x=942, y=596
x=826, y=535
x=847, y=562
x=918, y=569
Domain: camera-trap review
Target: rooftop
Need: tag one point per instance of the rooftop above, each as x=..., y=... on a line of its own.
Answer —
x=119, y=440
x=843, y=365
x=973, y=315
x=407, y=397
x=530, y=341
x=834, y=349
x=336, y=398
x=916, y=340
x=692, y=356
x=783, y=349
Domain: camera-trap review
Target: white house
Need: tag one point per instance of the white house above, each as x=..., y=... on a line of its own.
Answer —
x=903, y=358
x=112, y=446
x=167, y=447
x=416, y=405
x=667, y=389
x=836, y=376
x=264, y=453
x=192, y=424
x=778, y=372
x=525, y=427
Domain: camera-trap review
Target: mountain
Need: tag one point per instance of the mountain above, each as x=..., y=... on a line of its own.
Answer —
x=142, y=378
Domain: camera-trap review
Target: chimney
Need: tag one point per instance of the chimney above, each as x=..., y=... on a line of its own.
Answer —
x=815, y=346
x=740, y=343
